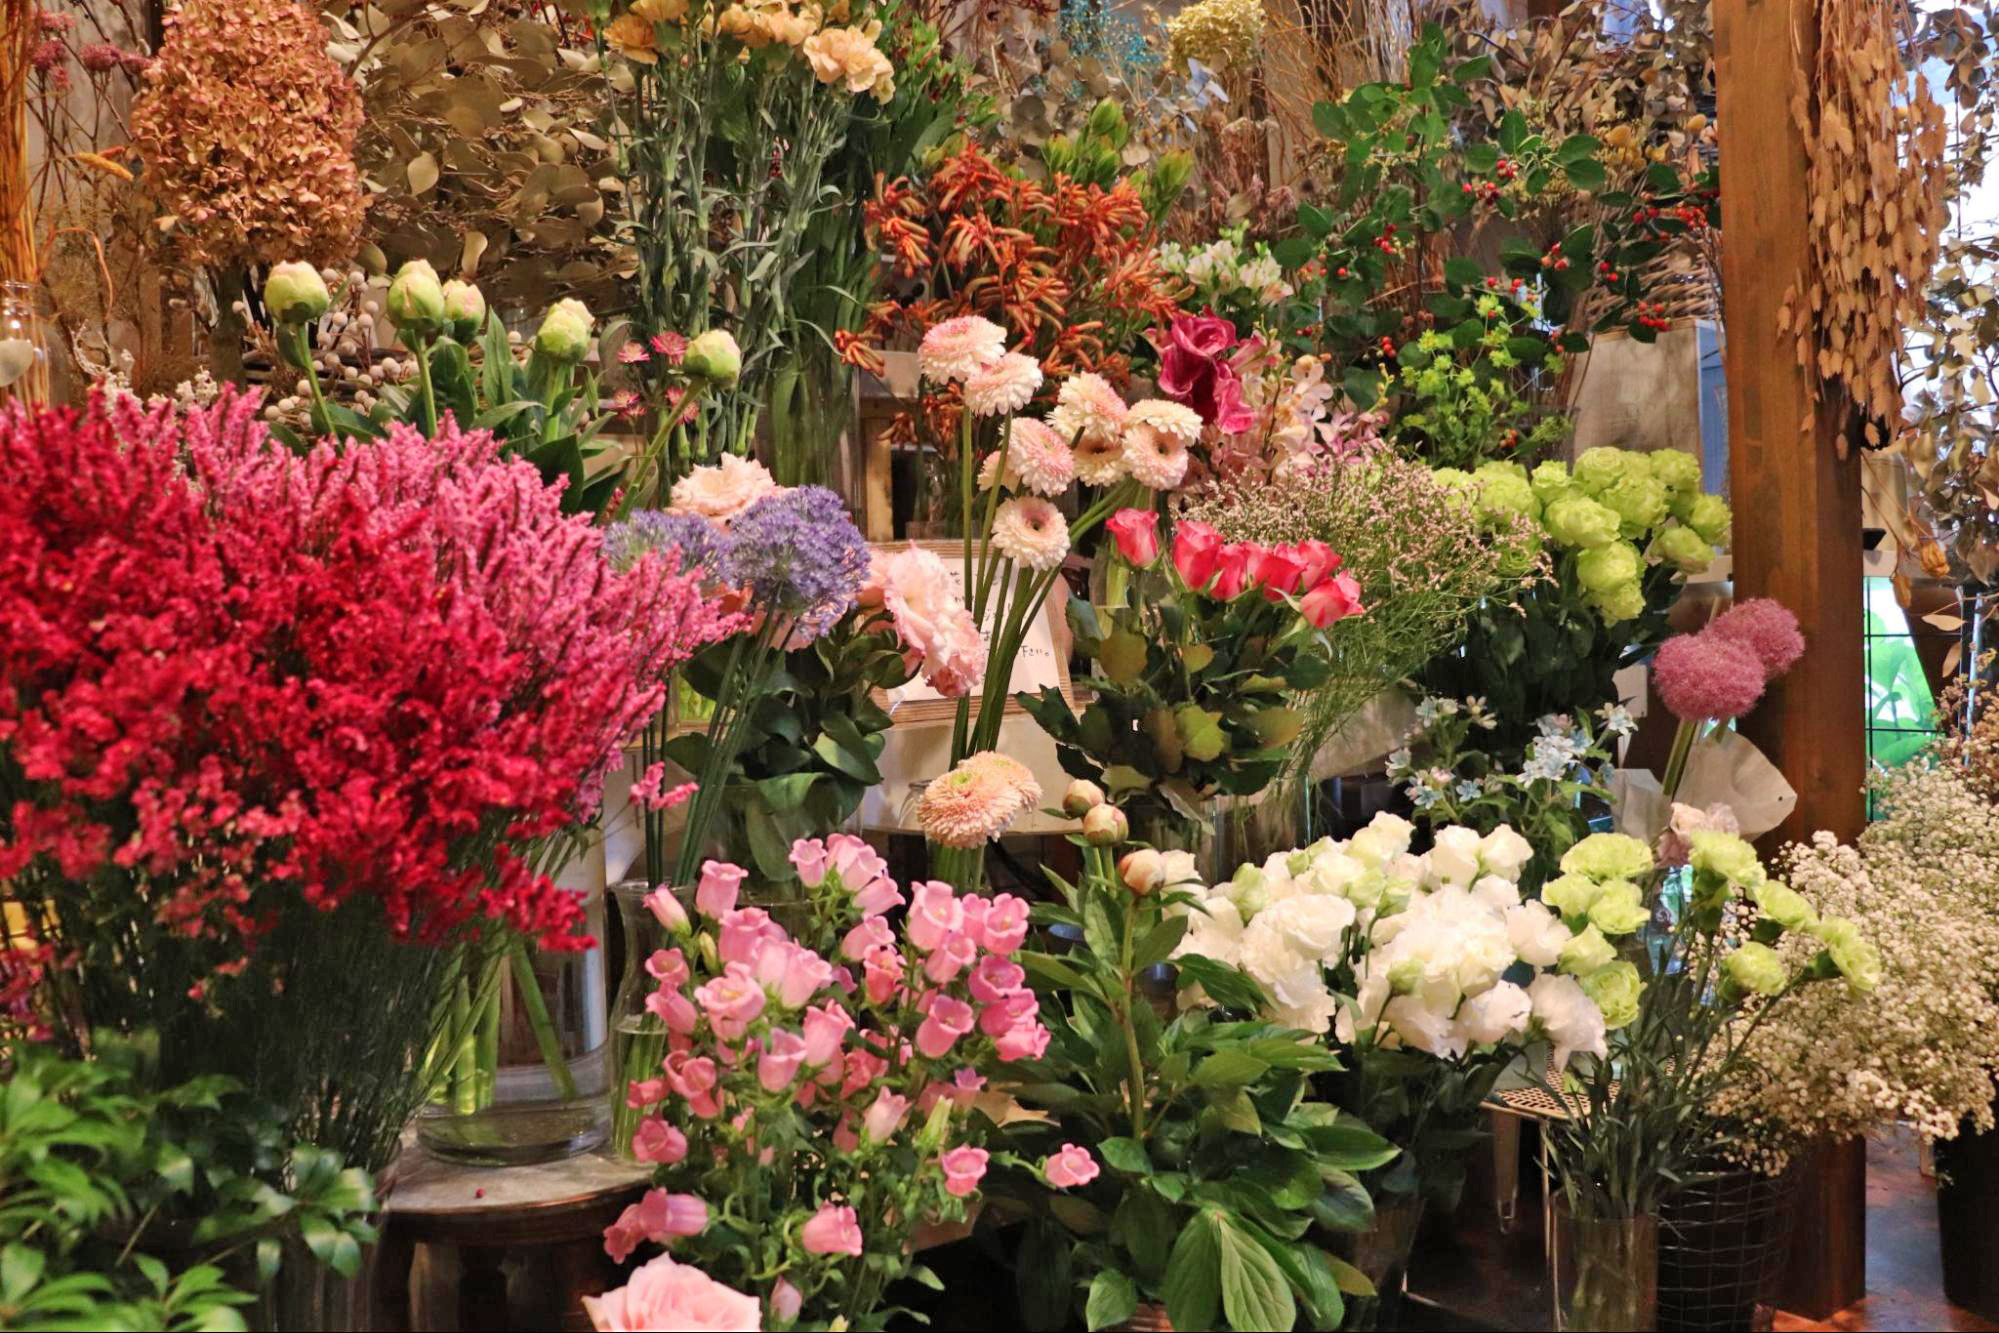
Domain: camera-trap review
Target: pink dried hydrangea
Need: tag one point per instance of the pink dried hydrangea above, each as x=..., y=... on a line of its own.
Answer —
x=1766, y=628
x=977, y=801
x=1707, y=675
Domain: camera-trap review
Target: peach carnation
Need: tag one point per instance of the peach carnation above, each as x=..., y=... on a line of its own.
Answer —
x=722, y=490
x=1007, y=385
x=977, y=801
x=848, y=55
x=1030, y=530
x=959, y=348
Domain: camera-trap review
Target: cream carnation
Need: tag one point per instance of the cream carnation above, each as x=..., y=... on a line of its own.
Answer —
x=977, y=801
x=1032, y=531
x=722, y=490
x=960, y=347
x=1007, y=385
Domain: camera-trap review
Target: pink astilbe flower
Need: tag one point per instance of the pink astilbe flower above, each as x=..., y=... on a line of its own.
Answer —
x=977, y=801
x=1765, y=627
x=1707, y=676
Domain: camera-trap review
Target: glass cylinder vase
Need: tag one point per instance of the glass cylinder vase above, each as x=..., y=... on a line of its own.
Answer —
x=526, y=1075
x=1381, y=1253
x=638, y=1037
x=1606, y=1273
x=24, y=344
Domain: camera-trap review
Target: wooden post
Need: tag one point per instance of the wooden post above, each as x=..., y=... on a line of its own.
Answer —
x=1797, y=528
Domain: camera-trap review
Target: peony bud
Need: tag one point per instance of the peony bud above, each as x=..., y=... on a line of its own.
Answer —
x=715, y=357
x=464, y=309
x=1106, y=826
x=1143, y=871
x=294, y=293
x=564, y=334
x=1082, y=797
x=416, y=298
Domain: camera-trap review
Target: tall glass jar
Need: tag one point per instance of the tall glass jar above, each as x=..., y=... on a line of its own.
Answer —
x=528, y=1078
x=24, y=344
x=1606, y=1272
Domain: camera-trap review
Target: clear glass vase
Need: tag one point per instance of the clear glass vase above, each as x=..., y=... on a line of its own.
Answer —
x=527, y=1077
x=638, y=1037
x=1606, y=1273
x=1381, y=1253
x=24, y=344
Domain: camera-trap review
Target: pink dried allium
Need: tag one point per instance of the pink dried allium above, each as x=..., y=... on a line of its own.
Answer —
x=1766, y=628
x=246, y=127
x=1707, y=675
x=977, y=801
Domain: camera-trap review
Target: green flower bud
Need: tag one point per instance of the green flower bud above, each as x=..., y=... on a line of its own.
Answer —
x=1684, y=549
x=464, y=309
x=1107, y=119
x=1585, y=953
x=416, y=298
x=1619, y=908
x=564, y=334
x=1615, y=989
x=294, y=293
x=715, y=357
x=1576, y=520
x=1608, y=856
x=1756, y=968
x=1601, y=568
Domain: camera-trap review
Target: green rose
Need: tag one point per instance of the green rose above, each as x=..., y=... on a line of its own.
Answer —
x=564, y=334
x=1550, y=481
x=1615, y=989
x=1779, y=902
x=1726, y=855
x=464, y=309
x=1602, y=467
x=1683, y=549
x=1457, y=481
x=1608, y=856
x=1677, y=470
x=1619, y=908
x=1626, y=601
x=1602, y=568
x=1577, y=520
x=1639, y=499
x=715, y=357
x=1756, y=968
x=1852, y=953
x=1585, y=953
x=1503, y=493
x=1570, y=895
x=415, y=303
x=1709, y=516
x=294, y=293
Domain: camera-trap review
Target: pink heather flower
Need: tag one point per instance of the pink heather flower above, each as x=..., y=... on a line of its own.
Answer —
x=963, y=1168
x=975, y=803
x=925, y=605
x=872, y=933
x=1069, y=1167
x=1007, y=385
x=722, y=490
x=783, y=1053
x=1025, y=1041
x=1005, y=924
x=786, y=1300
x=666, y=910
x=1039, y=457
x=834, y=1229
x=826, y=1027
x=948, y=1020
x=731, y=1001
x=744, y=932
x=1010, y=1010
x=934, y=914
x=995, y=978
x=719, y=887
x=884, y=1117
x=658, y=1142
x=948, y=959
x=1707, y=675
x=959, y=348
x=1031, y=530
x=1766, y=628
x=1088, y=411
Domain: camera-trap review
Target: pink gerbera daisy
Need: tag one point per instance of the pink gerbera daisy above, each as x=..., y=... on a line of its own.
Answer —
x=1007, y=385
x=959, y=348
x=1031, y=531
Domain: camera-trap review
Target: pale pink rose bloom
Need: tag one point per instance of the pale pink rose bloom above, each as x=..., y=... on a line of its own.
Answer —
x=826, y=1027
x=1005, y=925
x=663, y=1294
x=947, y=1020
x=883, y=1118
x=657, y=1141
x=720, y=883
x=722, y=490
x=778, y=1065
x=948, y=959
x=834, y=1229
x=871, y=934
x=1069, y=1167
x=963, y=1168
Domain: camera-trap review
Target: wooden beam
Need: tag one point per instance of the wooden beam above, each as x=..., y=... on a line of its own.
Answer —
x=1797, y=527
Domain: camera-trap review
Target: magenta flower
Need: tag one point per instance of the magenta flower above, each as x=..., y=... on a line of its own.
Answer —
x=1766, y=628
x=1707, y=675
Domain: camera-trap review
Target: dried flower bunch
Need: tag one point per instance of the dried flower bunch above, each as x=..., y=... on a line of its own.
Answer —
x=247, y=131
x=1879, y=201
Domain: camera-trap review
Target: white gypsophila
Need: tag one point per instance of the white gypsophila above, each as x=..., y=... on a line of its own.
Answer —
x=1923, y=885
x=1505, y=853
x=1496, y=1015
x=1536, y=934
x=1567, y=1017
x=1453, y=856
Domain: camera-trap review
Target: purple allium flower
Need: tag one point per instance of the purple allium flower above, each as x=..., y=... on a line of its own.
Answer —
x=800, y=555
x=693, y=537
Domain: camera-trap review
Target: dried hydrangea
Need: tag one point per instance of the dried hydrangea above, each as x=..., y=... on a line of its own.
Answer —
x=246, y=127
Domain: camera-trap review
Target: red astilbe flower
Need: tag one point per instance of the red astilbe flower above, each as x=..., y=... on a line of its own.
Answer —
x=229, y=674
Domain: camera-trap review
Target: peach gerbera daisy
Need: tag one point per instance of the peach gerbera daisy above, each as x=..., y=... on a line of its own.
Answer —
x=977, y=801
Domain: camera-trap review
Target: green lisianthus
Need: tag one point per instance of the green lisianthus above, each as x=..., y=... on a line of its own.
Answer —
x=1571, y=896
x=1586, y=953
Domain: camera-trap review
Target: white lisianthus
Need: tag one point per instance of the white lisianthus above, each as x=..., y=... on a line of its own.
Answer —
x=1537, y=935
x=1214, y=930
x=1386, y=836
x=1453, y=858
x=1423, y=1028
x=1309, y=1009
x=1496, y=1015
x=1495, y=892
x=1504, y=853
x=1267, y=955
x=1567, y=1017
x=1310, y=924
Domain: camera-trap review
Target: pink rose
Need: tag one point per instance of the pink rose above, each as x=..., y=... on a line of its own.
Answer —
x=950, y=958
x=731, y=1001
x=1333, y=599
x=743, y=933
x=948, y=1020
x=715, y=896
x=1005, y=925
x=657, y=1141
x=786, y=1300
x=1319, y=560
x=1070, y=1167
x=722, y=490
x=934, y=914
x=834, y=1229
x=1276, y=570
x=665, y=1294
x=995, y=978
x=666, y=909
x=809, y=859
x=884, y=1117
x=1136, y=532
x=1196, y=551
x=882, y=971
x=782, y=1054
x=1025, y=1041
x=963, y=1168
x=1232, y=571
x=1203, y=335
x=826, y=1029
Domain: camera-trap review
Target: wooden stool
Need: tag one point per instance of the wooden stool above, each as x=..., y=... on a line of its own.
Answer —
x=457, y=1229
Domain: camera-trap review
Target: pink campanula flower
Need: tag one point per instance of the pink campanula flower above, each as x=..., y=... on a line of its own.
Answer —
x=778, y=1065
x=865, y=938
x=863, y=1069
x=877, y=896
x=668, y=967
x=792, y=972
x=964, y=1167
x=657, y=1141
x=844, y=1137
x=947, y=1020
x=810, y=860
x=1005, y=925
x=834, y=1229
x=995, y=978
x=972, y=922
x=1024, y=1041
x=934, y=913
x=1069, y=1167
x=743, y=932
x=950, y=958
x=965, y=1085
x=657, y=1217
x=731, y=1001
x=884, y=1117
x=694, y=1077
x=1010, y=1010
x=854, y=861
x=673, y=1009
x=826, y=1027
x=883, y=974
x=645, y=1092
x=666, y=909
x=720, y=884
x=786, y=1300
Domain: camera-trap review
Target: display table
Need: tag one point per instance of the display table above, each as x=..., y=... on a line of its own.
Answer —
x=494, y=1248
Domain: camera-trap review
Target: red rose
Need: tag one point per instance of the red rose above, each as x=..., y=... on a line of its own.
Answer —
x=1233, y=570
x=1320, y=562
x=1277, y=570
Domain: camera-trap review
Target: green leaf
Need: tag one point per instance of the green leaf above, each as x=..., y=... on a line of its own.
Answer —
x=20, y=1268
x=1329, y=120
x=1225, y=985
x=854, y=762
x=1463, y=272
x=1348, y=1145
x=1160, y=942
x=330, y=1245
x=1363, y=386
x=1585, y=174
x=1350, y=1279
x=1229, y=1069
x=1255, y=1293
x=1099, y=932
x=1192, y=1288
x=1343, y=1205
x=1575, y=148
x=1112, y=1300
x=1126, y=1155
